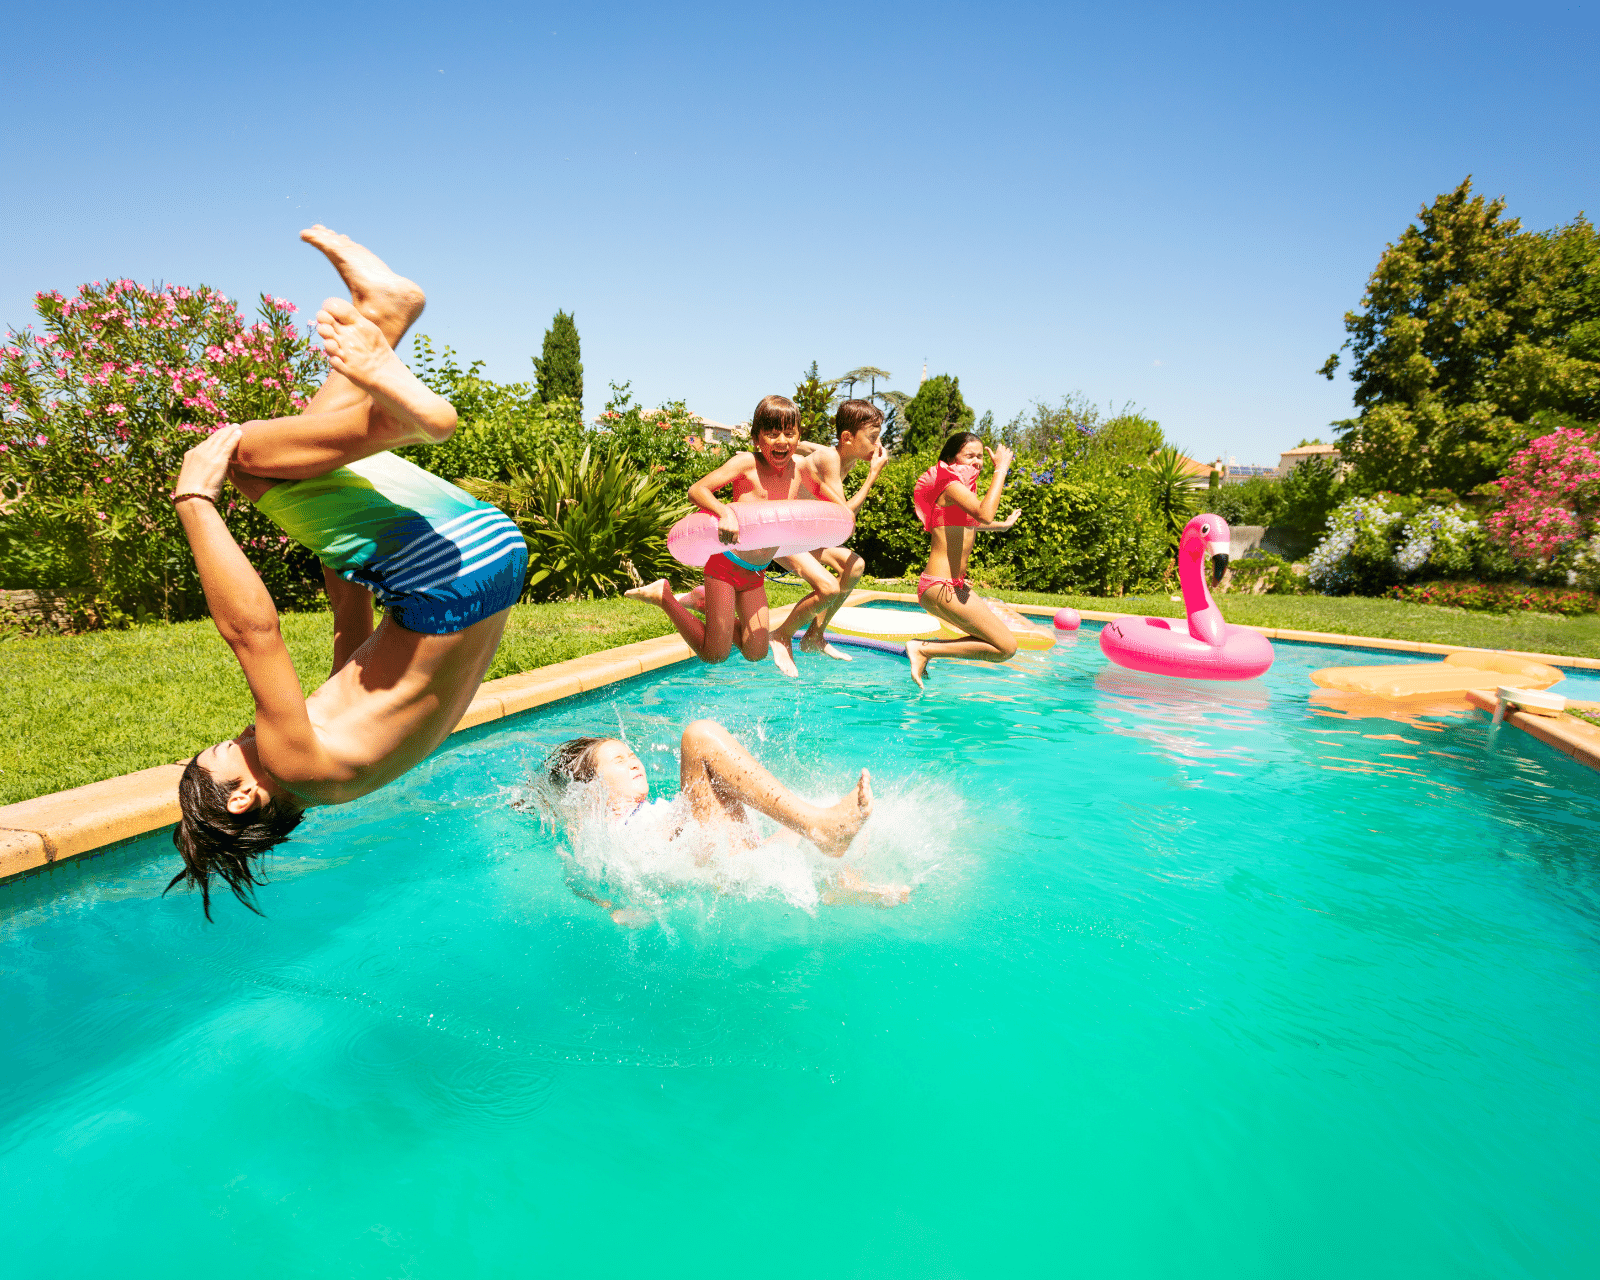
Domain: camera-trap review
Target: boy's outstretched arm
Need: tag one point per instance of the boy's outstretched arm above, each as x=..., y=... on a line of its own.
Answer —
x=703, y=493
x=879, y=460
x=242, y=608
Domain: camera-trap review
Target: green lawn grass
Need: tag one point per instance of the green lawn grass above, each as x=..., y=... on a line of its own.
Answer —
x=75, y=709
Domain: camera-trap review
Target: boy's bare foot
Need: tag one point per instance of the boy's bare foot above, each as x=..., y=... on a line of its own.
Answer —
x=853, y=887
x=631, y=917
x=833, y=651
x=694, y=600
x=651, y=593
x=812, y=642
x=918, y=659
x=783, y=657
x=839, y=825
x=389, y=300
x=357, y=348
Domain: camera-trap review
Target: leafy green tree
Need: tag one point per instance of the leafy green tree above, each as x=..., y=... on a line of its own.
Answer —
x=1310, y=492
x=559, y=369
x=934, y=412
x=1474, y=336
x=503, y=426
x=1130, y=436
x=814, y=397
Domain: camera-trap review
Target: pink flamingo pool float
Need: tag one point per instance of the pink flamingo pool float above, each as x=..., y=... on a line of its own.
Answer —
x=1212, y=649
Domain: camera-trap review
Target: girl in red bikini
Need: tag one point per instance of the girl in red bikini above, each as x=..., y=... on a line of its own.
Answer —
x=736, y=582
x=946, y=497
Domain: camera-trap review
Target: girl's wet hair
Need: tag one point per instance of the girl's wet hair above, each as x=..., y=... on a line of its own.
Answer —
x=572, y=761
x=956, y=443
x=216, y=842
x=774, y=413
x=857, y=415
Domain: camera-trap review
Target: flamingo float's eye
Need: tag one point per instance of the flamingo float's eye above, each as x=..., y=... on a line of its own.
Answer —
x=1205, y=528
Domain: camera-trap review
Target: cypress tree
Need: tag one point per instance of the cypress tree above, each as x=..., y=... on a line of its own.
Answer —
x=559, y=370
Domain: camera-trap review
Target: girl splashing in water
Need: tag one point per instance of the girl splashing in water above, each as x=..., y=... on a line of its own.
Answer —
x=946, y=497
x=600, y=780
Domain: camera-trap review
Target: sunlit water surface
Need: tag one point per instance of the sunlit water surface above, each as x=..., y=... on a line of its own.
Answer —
x=1195, y=980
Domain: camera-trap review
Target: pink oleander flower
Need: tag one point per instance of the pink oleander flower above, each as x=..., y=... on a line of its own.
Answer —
x=41, y=439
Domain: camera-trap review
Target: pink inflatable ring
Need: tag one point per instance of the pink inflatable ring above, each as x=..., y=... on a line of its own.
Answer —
x=791, y=527
x=1211, y=649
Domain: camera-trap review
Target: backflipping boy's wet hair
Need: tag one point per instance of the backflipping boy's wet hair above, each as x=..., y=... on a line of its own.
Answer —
x=216, y=842
x=774, y=413
x=573, y=761
x=955, y=444
x=857, y=415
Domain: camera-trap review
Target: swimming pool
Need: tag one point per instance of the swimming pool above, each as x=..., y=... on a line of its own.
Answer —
x=1194, y=981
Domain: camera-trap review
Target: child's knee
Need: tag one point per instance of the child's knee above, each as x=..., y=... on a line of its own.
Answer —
x=699, y=733
x=755, y=651
x=1008, y=649
x=714, y=656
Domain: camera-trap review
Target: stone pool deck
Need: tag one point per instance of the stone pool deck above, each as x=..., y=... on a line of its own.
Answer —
x=36, y=834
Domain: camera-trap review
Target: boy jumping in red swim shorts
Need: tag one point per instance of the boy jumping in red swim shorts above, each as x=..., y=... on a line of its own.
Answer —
x=736, y=581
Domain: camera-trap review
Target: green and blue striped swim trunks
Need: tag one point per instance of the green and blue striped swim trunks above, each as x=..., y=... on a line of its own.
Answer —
x=436, y=558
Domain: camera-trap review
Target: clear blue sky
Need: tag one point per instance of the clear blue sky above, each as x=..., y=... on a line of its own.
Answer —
x=1170, y=205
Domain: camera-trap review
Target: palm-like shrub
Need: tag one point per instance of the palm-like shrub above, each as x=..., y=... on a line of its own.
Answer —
x=1175, y=490
x=595, y=525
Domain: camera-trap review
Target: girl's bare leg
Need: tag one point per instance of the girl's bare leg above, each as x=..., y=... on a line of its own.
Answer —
x=752, y=611
x=711, y=640
x=720, y=777
x=990, y=639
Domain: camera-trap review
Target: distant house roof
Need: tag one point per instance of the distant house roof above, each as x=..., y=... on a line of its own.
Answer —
x=1291, y=458
x=1193, y=468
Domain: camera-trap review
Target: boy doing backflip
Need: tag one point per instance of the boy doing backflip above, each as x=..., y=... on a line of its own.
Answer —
x=445, y=567
x=860, y=425
x=736, y=581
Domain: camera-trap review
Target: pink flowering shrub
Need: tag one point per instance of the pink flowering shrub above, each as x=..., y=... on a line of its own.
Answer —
x=1551, y=494
x=95, y=415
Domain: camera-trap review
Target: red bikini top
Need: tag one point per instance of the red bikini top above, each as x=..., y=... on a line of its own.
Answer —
x=931, y=485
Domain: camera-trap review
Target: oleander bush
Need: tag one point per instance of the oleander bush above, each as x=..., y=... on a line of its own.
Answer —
x=95, y=415
x=1498, y=597
x=1549, y=518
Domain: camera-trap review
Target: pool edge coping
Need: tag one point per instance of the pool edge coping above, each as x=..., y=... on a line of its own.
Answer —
x=36, y=834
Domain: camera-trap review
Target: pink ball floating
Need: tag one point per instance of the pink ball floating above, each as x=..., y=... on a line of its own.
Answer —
x=1067, y=620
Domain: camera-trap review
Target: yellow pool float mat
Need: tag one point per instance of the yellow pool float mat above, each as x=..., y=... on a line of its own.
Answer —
x=902, y=624
x=1458, y=673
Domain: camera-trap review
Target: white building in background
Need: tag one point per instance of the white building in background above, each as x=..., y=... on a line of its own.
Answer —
x=721, y=432
x=1292, y=458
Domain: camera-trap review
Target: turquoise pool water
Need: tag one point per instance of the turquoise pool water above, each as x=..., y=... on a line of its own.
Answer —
x=1193, y=981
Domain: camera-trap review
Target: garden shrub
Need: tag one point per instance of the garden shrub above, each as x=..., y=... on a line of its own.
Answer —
x=1497, y=597
x=595, y=523
x=1262, y=573
x=1549, y=519
x=1088, y=525
x=1373, y=543
x=95, y=415
x=502, y=427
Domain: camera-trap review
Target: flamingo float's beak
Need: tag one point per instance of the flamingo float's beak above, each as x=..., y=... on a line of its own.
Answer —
x=1221, y=553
